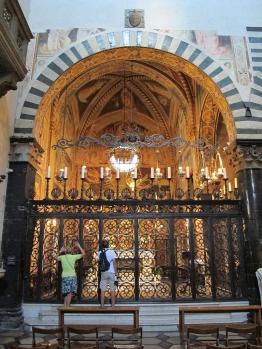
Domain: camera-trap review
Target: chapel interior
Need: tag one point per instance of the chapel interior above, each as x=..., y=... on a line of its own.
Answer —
x=142, y=127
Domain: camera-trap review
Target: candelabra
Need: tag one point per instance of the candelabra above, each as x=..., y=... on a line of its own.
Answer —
x=188, y=187
x=211, y=187
x=207, y=185
x=225, y=188
x=230, y=193
x=101, y=188
x=47, y=188
x=135, y=193
x=236, y=193
x=117, y=188
x=82, y=187
x=169, y=188
x=64, y=191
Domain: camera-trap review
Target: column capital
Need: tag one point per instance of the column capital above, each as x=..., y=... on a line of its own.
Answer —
x=26, y=149
x=245, y=154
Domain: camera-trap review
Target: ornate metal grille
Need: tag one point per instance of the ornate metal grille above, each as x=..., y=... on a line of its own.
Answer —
x=167, y=250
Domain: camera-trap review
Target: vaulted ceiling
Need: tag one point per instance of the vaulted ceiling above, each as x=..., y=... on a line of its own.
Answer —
x=99, y=94
x=148, y=94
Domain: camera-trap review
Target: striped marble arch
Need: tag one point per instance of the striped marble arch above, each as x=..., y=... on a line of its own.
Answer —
x=135, y=38
x=254, y=39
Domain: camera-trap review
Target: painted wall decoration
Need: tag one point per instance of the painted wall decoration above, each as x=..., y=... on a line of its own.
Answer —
x=51, y=42
x=229, y=51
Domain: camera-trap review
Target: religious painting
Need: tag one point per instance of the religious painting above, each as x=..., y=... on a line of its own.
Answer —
x=230, y=51
x=52, y=41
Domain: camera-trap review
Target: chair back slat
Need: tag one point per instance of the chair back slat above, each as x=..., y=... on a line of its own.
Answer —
x=203, y=329
x=18, y=346
x=238, y=346
x=82, y=331
x=253, y=346
x=123, y=342
x=241, y=329
x=58, y=331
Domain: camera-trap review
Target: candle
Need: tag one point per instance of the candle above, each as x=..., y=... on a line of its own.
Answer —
x=152, y=174
x=220, y=160
x=135, y=173
x=101, y=172
x=48, y=172
x=220, y=171
x=229, y=187
x=83, y=171
x=157, y=170
x=61, y=172
x=187, y=172
x=65, y=173
x=235, y=183
x=117, y=173
x=180, y=169
x=206, y=172
x=169, y=173
x=224, y=190
x=225, y=173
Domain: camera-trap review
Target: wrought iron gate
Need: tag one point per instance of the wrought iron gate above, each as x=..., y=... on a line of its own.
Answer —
x=167, y=250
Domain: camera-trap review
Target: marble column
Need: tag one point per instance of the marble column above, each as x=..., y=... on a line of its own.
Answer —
x=246, y=157
x=20, y=188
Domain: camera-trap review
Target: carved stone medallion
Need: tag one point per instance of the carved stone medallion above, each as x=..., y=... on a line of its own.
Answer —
x=134, y=18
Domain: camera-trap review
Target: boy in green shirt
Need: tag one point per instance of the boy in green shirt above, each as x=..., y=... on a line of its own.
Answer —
x=69, y=280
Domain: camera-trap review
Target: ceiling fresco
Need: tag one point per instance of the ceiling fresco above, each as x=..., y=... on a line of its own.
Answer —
x=153, y=96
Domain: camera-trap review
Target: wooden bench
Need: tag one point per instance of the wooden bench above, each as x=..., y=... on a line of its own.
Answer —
x=256, y=309
x=99, y=310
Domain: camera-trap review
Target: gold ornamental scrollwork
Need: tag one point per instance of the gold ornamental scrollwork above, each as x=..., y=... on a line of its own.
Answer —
x=172, y=61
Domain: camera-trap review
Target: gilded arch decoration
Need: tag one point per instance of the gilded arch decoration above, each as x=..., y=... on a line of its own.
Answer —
x=102, y=43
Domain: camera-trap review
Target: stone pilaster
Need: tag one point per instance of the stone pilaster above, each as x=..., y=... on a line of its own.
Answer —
x=246, y=158
x=24, y=157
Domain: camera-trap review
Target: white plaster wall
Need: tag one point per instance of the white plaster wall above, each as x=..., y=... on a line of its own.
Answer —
x=224, y=16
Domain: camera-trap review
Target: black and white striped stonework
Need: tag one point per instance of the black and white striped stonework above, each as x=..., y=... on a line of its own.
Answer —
x=255, y=46
x=108, y=40
x=255, y=102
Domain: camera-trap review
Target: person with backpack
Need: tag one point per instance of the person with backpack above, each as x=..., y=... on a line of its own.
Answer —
x=69, y=279
x=107, y=263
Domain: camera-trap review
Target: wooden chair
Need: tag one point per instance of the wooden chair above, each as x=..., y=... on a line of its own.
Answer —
x=78, y=335
x=248, y=331
x=237, y=346
x=200, y=331
x=18, y=346
x=58, y=332
x=126, y=338
x=253, y=346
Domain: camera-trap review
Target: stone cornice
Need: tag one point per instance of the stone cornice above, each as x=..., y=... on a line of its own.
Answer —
x=26, y=150
x=14, y=38
x=245, y=154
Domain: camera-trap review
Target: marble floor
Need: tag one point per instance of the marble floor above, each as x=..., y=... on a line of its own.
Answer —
x=151, y=340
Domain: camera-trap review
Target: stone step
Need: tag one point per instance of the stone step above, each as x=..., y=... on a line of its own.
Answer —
x=152, y=317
